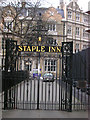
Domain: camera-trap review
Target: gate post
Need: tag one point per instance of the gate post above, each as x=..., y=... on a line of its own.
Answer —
x=67, y=55
x=10, y=64
x=38, y=82
x=5, y=80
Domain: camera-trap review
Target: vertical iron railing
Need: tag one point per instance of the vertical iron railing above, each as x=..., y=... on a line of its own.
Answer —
x=33, y=93
x=67, y=53
x=10, y=65
x=38, y=81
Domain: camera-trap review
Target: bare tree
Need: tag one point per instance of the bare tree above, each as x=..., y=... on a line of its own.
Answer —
x=25, y=23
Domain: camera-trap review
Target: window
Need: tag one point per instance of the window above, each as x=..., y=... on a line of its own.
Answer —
x=77, y=16
x=85, y=19
x=77, y=31
x=52, y=42
x=28, y=65
x=5, y=26
x=50, y=65
x=8, y=26
x=84, y=33
x=51, y=13
x=85, y=46
x=9, y=12
x=69, y=14
x=69, y=31
x=52, y=27
x=77, y=47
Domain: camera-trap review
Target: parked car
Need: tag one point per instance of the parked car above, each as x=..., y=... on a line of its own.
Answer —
x=75, y=83
x=48, y=77
x=83, y=89
x=88, y=90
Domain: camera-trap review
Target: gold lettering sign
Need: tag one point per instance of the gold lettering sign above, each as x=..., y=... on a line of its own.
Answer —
x=33, y=48
x=42, y=48
x=37, y=50
x=20, y=48
x=58, y=49
x=50, y=49
x=28, y=49
x=24, y=48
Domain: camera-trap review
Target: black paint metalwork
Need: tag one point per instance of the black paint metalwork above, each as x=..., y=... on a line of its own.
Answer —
x=67, y=53
x=22, y=91
x=10, y=65
x=11, y=55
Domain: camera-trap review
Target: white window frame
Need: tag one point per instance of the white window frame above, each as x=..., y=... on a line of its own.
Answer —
x=29, y=64
x=69, y=30
x=50, y=65
x=51, y=27
x=84, y=46
x=77, y=17
x=8, y=24
x=51, y=13
x=85, y=34
x=77, y=47
x=85, y=19
x=77, y=31
x=52, y=42
x=69, y=14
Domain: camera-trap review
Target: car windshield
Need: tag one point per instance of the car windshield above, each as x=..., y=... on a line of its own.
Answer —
x=48, y=75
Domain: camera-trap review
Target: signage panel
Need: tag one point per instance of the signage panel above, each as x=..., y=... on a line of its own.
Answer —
x=50, y=49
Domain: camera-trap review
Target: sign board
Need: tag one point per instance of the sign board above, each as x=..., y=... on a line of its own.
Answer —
x=35, y=73
x=50, y=49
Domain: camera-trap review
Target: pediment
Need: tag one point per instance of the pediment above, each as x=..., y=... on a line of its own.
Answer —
x=73, y=5
x=9, y=11
x=51, y=14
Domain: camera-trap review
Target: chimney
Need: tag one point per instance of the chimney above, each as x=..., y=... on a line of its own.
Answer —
x=23, y=3
x=89, y=5
x=61, y=4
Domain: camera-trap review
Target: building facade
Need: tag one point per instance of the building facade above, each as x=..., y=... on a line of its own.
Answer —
x=76, y=21
x=63, y=24
x=18, y=30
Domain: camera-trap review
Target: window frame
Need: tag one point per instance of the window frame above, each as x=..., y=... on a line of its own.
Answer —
x=77, y=47
x=70, y=14
x=69, y=30
x=50, y=65
x=77, y=31
x=77, y=17
x=52, y=27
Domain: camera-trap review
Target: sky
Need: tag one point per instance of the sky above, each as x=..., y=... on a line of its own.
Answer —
x=47, y=3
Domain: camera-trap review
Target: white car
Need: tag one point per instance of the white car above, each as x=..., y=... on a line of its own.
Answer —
x=48, y=77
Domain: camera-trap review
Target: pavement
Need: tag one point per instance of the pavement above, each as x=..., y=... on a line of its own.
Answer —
x=43, y=114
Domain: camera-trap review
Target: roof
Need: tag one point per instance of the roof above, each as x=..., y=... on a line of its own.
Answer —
x=60, y=11
x=88, y=12
x=71, y=5
x=37, y=10
x=88, y=30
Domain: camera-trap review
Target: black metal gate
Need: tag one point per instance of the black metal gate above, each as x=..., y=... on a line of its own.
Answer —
x=21, y=90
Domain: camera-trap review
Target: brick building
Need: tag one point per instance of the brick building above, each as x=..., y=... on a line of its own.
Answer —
x=65, y=23
x=16, y=29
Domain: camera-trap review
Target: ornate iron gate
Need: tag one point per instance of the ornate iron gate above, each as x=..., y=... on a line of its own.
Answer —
x=30, y=92
x=8, y=65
